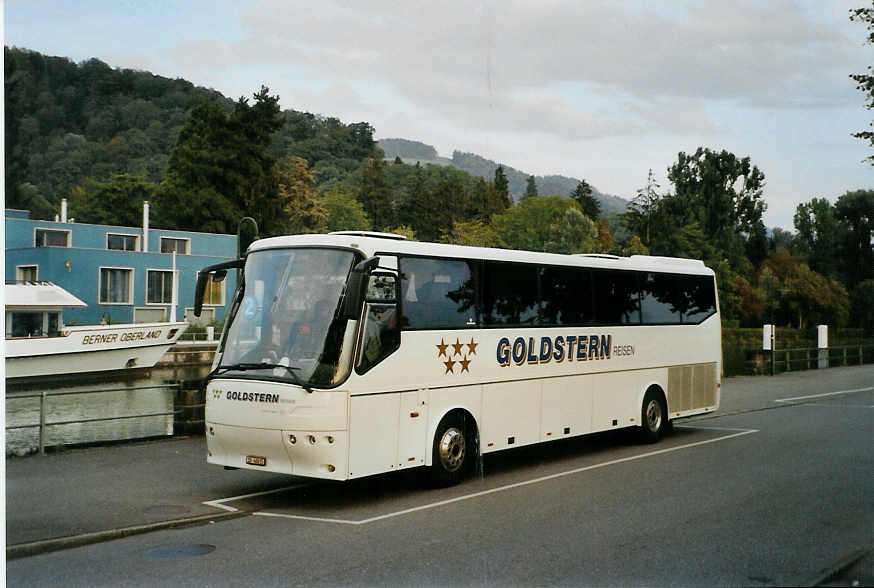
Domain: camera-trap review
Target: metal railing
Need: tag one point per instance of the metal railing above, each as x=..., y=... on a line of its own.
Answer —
x=209, y=335
x=44, y=394
x=759, y=362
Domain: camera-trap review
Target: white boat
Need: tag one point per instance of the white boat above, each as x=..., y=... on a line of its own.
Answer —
x=39, y=344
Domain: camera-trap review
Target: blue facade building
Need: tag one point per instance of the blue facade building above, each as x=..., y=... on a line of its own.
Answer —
x=124, y=274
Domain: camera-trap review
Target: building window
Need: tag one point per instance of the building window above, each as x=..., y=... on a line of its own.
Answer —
x=214, y=294
x=116, y=285
x=159, y=287
x=27, y=273
x=121, y=242
x=52, y=238
x=169, y=245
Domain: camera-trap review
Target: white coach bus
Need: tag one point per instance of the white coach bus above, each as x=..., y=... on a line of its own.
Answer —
x=353, y=354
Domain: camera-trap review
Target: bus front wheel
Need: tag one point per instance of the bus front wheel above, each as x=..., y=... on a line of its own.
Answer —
x=453, y=452
x=653, y=417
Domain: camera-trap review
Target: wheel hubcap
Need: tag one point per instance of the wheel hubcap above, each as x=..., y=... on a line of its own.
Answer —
x=653, y=415
x=451, y=449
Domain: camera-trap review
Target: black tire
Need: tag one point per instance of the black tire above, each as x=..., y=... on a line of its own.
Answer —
x=653, y=417
x=453, y=452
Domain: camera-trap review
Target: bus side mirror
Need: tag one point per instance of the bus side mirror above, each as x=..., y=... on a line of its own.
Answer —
x=356, y=287
x=219, y=271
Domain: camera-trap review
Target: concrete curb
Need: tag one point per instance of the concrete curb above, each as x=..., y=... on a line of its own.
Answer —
x=48, y=545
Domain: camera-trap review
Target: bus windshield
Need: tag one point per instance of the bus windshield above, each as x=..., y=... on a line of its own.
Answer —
x=285, y=325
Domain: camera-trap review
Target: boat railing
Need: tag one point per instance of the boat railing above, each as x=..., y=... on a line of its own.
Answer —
x=44, y=394
x=28, y=283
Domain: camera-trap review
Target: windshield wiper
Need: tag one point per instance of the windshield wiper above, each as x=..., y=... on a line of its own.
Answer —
x=263, y=366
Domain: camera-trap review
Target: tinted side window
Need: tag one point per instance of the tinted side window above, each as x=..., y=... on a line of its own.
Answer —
x=698, y=298
x=510, y=294
x=437, y=293
x=660, y=298
x=617, y=299
x=567, y=296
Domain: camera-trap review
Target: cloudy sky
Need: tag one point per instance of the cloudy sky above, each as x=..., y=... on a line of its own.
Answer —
x=600, y=90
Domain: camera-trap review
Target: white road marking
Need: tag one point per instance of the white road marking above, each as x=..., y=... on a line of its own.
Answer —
x=739, y=433
x=821, y=404
x=839, y=392
x=220, y=502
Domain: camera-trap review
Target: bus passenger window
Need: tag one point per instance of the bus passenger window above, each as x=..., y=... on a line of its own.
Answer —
x=617, y=297
x=567, y=296
x=699, y=299
x=437, y=293
x=510, y=294
x=660, y=299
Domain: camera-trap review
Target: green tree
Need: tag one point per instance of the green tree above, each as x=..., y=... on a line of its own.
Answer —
x=751, y=306
x=117, y=201
x=585, y=197
x=305, y=213
x=855, y=210
x=818, y=235
x=862, y=309
x=781, y=238
x=503, y=187
x=572, y=232
x=720, y=191
x=865, y=82
x=485, y=201
x=815, y=299
x=643, y=210
x=29, y=198
x=374, y=194
x=476, y=233
x=715, y=194
x=410, y=205
x=634, y=246
x=532, y=223
x=530, y=188
x=404, y=230
x=221, y=171
x=344, y=211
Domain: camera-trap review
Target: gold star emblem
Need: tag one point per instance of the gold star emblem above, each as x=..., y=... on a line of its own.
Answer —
x=472, y=347
x=449, y=366
x=465, y=364
x=442, y=348
x=457, y=346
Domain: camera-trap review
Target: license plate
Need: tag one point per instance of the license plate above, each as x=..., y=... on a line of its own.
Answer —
x=256, y=460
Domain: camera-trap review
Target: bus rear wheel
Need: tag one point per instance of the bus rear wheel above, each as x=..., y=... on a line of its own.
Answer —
x=453, y=452
x=653, y=417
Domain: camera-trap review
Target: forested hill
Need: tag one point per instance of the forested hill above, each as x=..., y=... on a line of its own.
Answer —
x=69, y=123
x=411, y=151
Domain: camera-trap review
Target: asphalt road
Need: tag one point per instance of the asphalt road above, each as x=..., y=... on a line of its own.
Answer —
x=775, y=489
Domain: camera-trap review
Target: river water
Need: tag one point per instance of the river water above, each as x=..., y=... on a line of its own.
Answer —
x=110, y=396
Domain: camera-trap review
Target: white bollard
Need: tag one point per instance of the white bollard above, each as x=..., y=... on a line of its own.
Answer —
x=822, y=345
x=210, y=333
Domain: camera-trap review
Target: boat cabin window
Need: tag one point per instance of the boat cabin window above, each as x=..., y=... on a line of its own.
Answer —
x=33, y=323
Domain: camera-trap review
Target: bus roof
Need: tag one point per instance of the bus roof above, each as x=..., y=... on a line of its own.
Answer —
x=370, y=245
